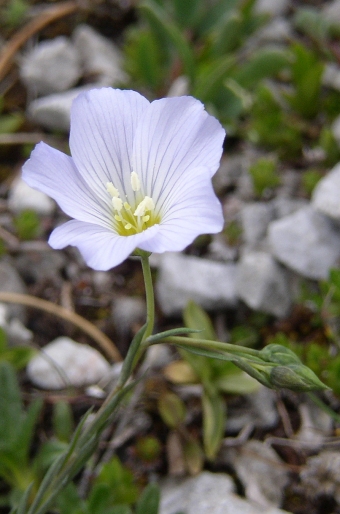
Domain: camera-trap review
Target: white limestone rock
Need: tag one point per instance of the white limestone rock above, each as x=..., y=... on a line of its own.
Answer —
x=53, y=111
x=51, y=67
x=307, y=242
x=10, y=281
x=326, y=194
x=206, y=492
x=22, y=196
x=182, y=278
x=255, y=218
x=63, y=363
x=100, y=57
x=263, y=284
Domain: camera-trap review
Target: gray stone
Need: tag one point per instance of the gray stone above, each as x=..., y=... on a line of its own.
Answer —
x=283, y=206
x=53, y=111
x=207, y=492
x=335, y=128
x=261, y=472
x=100, y=57
x=40, y=265
x=51, y=67
x=277, y=31
x=257, y=409
x=306, y=241
x=316, y=426
x=321, y=475
x=17, y=334
x=331, y=11
x=255, y=218
x=263, y=284
x=22, y=196
x=10, y=281
x=331, y=76
x=126, y=312
x=326, y=194
x=63, y=363
x=273, y=8
x=182, y=278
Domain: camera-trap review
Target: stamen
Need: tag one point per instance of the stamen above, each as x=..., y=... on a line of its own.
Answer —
x=112, y=190
x=127, y=206
x=135, y=182
x=117, y=203
x=146, y=218
x=128, y=226
x=145, y=205
x=118, y=218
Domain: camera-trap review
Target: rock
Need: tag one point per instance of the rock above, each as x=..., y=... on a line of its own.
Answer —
x=17, y=334
x=331, y=76
x=229, y=172
x=276, y=8
x=335, y=128
x=279, y=30
x=331, y=12
x=326, y=194
x=40, y=266
x=53, y=111
x=283, y=206
x=263, y=284
x=22, y=197
x=315, y=426
x=261, y=472
x=256, y=409
x=321, y=475
x=11, y=281
x=100, y=57
x=306, y=241
x=255, y=218
x=63, y=363
x=51, y=67
x=126, y=312
x=182, y=278
x=207, y=492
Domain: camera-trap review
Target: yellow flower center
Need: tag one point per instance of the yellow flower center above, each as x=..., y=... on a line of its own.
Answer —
x=132, y=219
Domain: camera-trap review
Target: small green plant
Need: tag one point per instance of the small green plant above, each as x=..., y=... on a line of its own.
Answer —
x=264, y=175
x=27, y=224
x=310, y=178
x=17, y=356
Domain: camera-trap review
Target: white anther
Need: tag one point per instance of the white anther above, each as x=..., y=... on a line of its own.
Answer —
x=112, y=190
x=146, y=218
x=117, y=203
x=135, y=182
x=127, y=206
x=128, y=226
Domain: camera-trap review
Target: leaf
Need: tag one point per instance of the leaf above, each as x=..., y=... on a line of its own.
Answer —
x=237, y=382
x=148, y=502
x=211, y=77
x=214, y=419
x=180, y=372
x=68, y=501
x=172, y=409
x=63, y=423
x=197, y=319
x=193, y=456
x=263, y=63
x=10, y=406
x=156, y=15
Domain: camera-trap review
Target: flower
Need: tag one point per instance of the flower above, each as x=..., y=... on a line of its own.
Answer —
x=139, y=175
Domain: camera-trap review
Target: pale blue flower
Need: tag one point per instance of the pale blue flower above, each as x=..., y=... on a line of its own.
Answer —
x=139, y=176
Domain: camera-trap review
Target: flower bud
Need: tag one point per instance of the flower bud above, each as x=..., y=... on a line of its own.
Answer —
x=279, y=354
x=296, y=377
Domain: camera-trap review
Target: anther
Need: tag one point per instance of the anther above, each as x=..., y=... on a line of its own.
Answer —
x=112, y=190
x=135, y=182
x=117, y=203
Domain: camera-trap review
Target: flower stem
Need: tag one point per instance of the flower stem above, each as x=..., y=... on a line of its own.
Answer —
x=211, y=345
x=150, y=300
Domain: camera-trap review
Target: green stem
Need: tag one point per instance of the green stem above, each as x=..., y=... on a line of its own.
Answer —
x=150, y=300
x=211, y=345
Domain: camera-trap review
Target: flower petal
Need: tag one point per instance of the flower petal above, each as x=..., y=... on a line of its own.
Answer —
x=55, y=174
x=175, y=135
x=101, y=249
x=103, y=125
x=193, y=209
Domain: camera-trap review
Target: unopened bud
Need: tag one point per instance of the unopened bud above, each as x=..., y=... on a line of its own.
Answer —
x=296, y=377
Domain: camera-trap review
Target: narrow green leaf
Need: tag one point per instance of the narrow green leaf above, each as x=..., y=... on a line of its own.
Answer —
x=214, y=418
x=155, y=14
x=148, y=502
x=173, y=332
x=197, y=319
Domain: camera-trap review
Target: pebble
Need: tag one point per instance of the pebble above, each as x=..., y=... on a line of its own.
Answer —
x=53, y=111
x=65, y=363
x=101, y=59
x=206, y=492
x=326, y=194
x=321, y=476
x=305, y=241
x=261, y=473
x=22, y=196
x=126, y=312
x=255, y=218
x=263, y=284
x=182, y=278
x=51, y=67
x=10, y=281
x=276, y=8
